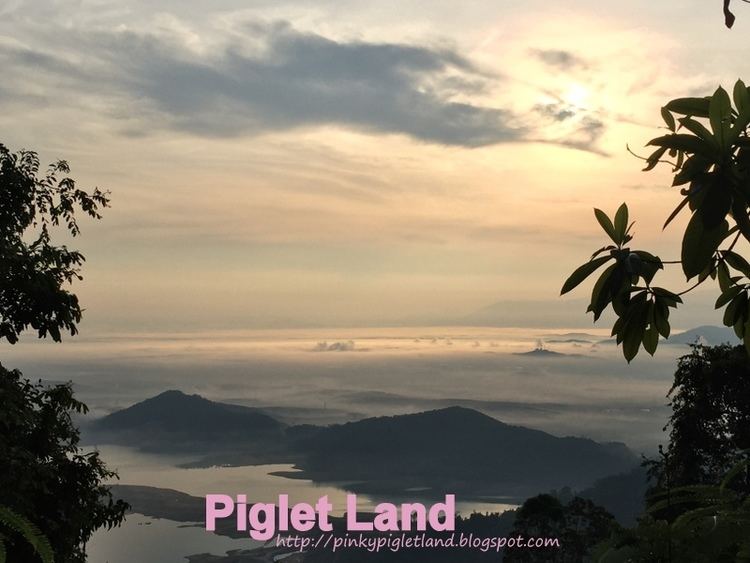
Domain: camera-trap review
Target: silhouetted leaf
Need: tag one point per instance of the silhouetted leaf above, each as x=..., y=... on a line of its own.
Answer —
x=720, y=113
x=582, y=273
x=601, y=293
x=699, y=245
x=676, y=212
x=741, y=97
x=697, y=107
x=621, y=222
x=737, y=262
x=684, y=142
x=606, y=224
x=651, y=339
x=727, y=296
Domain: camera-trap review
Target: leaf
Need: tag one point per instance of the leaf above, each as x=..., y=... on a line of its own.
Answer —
x=621, y=222
x=600, y=295
x=727, y=296
x=741, y=97
x=689, y=106
x=725, y=281
x=686, y=143
x=691, y=169
x=606, y=224
x=733, y=312
x=737, y=262
x=651, y=339
x=697, y=128
x=720, y=113
x=676, y=212
x=699, y=245
x=661, y=318
x=634, y=330
x=668, y=119
x=601, y=250
x=654, y=159
x=717, y=202
x=30, y=533
x=584, y=271
x=666, y=294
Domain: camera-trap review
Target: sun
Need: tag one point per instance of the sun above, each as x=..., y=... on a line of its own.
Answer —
x=577, y=95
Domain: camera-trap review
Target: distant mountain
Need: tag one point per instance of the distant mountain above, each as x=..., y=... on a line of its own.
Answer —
x=541, y=353
x=454, y=449
x=176, y=421
x=711, y=335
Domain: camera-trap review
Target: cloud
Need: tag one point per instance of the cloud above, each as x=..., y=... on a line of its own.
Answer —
x=270, y=77
x=559, y=59
x=280, y=78
x=347, y=346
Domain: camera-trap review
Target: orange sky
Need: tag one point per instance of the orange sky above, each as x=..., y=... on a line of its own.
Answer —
x=386, y=162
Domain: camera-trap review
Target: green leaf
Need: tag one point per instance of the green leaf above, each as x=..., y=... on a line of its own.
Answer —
x=720, y=114
x=673, y=298
x=737, y=262
x=725, y=281
x=621, y=222
x=734, y=311
x=727, y=296
x=717, y=202
x=693, y=167
x=741, y=97
x=606, y=224
x=699, y=245
x=654, y=159
x=584, y=271
x=600, y=295
x=697, y=128
x=651, y=339
x=634, y=330
x=689, y=106
x=668, y=119
x=661, y=318
x=686, y=143
x=29, y=532
x=676, y=212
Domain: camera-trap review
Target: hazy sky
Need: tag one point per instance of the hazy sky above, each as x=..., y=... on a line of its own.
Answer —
x=292, y=162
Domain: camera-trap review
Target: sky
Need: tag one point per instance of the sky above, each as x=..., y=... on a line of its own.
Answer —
x=296, y=163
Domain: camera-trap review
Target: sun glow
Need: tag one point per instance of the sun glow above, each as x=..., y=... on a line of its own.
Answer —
x=577, y=95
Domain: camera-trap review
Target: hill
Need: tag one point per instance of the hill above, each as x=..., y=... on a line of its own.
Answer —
x=175, y=421
x=711, y=335
x=454, y=449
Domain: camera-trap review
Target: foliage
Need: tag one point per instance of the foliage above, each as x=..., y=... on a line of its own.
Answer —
x=699, y=507
x=17, y=524
x=713, y=528
x=709, y=142
x=43, y=473
x=709, y=429
x=33, y=271
x=578, y=524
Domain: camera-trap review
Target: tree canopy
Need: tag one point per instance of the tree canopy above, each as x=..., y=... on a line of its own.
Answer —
x=52, y=494
x=34, y=272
